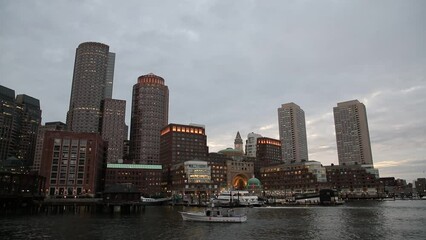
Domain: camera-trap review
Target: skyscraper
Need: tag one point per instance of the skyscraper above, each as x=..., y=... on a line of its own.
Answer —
x=150, y=109
x=7, y=122
x=113, y=128
x=28, y=121
x=251, y=144
x=92, y=82
x=352, y=135
x=20, y=119
x=292, y=128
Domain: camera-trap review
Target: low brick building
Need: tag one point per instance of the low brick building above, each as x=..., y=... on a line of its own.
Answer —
x=354, y=181
x=286, y=180
x=146, y=178
x=72, y=163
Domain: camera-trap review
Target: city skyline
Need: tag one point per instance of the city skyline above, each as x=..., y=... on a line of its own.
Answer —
x=229, y=67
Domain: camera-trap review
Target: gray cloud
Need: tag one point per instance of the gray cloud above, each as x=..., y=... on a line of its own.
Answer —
x=230, y=65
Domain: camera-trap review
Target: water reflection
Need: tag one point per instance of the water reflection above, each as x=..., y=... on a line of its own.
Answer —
x=360, y=220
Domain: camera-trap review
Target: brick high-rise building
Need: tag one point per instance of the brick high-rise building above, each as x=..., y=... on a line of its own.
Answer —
x=352, y=135
x=72, y=163
x=292, y=128
x=113, y=128
x=150, y=109
x=268, y=153
x=180, y=143
x=92, y=82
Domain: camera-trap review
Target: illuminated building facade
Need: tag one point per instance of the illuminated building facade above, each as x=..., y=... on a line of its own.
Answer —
x=217, y=163
x=92, y=82
x=191, y=180
x=268, y=152
x=150, y=109
x=238, y=173
x=180, y=143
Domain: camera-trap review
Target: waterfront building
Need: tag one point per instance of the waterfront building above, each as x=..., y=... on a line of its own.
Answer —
x=150, y=108
x=191, y=181
x=7, y=122
x=238, y=174
x=146, y=178
x=352, y=135
x=113, y=128
x=353, y=181
x=72, y=163
x=19, y=191
x=49, y=126
x=292, y=130
x=217, y=163
x=251, y=144
x=403, y=189
x=287, y=180
x=389, y=186
x=180, y=143
x=238, y=143
x=215, y=169
x=92, y=82
x=420, y=185
x=268, y=153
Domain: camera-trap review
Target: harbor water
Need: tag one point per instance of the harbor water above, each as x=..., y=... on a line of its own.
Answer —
x=400, y=219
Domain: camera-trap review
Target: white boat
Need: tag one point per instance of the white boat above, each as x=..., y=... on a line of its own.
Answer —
x=144, y=199
x=154, y=201
x=241, y=198
x=214, y=215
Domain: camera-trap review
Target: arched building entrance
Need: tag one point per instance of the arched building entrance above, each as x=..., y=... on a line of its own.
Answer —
x=239, y=182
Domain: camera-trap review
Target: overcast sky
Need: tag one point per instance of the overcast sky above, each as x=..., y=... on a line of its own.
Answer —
x=230, y=64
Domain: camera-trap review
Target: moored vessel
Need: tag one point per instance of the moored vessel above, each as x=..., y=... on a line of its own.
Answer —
x=214, y=214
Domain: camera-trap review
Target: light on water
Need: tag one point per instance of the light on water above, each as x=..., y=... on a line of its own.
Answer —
x=356, y=220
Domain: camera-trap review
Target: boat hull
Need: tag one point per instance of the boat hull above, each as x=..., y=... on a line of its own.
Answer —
x=201, y=217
